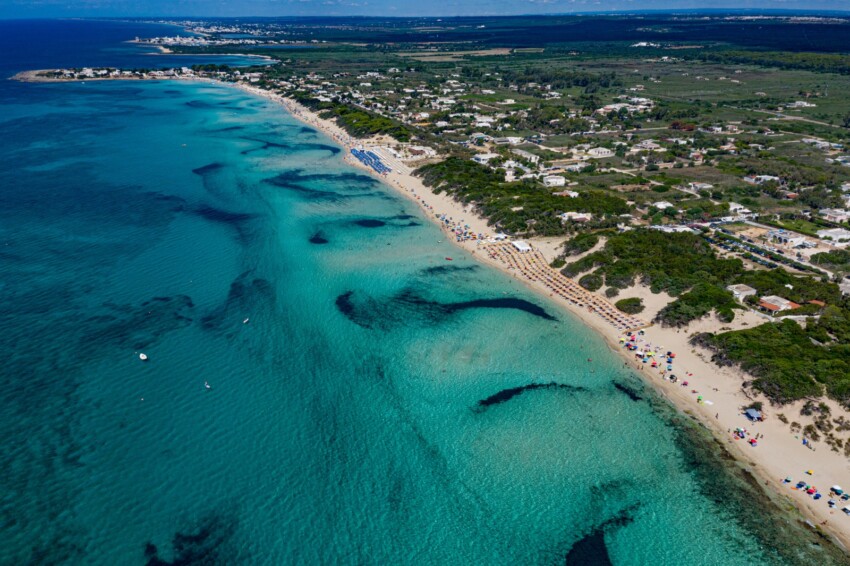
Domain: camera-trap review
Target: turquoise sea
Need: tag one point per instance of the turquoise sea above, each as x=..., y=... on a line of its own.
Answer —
x=370, y=403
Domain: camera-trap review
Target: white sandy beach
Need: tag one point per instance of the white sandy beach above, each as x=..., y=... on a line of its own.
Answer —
x=779, y=453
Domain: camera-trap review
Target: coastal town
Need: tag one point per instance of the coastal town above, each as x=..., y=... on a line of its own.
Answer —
x=688, y=230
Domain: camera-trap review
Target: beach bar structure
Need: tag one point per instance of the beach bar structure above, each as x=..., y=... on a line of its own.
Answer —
x=522, y=247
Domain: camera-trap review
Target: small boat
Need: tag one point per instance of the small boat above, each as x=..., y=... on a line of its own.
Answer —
x=449, y=259
x=246, y=321
x=207, y=385
x=143, y=357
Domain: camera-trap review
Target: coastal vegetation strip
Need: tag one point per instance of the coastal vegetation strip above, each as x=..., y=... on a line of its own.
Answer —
x=789, y=359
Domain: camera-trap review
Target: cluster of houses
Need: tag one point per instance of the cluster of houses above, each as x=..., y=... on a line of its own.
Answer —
x=205, y=34
x=633, y=105
x=92, y=73
x=444, y=105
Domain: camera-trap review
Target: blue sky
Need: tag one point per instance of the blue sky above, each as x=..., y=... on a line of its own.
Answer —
x=93, y=8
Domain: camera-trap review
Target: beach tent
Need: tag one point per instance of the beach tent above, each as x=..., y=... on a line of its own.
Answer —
x=753, y=414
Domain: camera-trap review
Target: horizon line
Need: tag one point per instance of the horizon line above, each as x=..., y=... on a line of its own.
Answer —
x=656, y=11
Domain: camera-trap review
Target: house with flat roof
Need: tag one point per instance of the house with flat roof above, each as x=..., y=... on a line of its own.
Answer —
x=741, y=210
x=600, y=152
x=554, y=181
x=576, y=216
x=484, y=158
x=761, y=179
x=526, y=155
x=835, y=234
x=673, y=228
x=786, y=238
x=741, y=291
x=697, y=186
x=835, y=214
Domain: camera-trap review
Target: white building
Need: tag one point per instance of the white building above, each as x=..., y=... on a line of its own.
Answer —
x=791, y=239
x=484, y=158
x=741, y=291
x=835, y=234
x=740, y=210
x=648, y=145
x=600, y=152
x=700, y=186
x=801, y=104
x=775, y=303
x=535, y=159
x=554, y=181
x=761, y=179
x=835, y=214
x=576, y=216
x=673, y=229
x=662, y=205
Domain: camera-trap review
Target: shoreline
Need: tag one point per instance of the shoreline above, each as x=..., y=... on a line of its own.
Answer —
x=719, y=389
x=719, y=415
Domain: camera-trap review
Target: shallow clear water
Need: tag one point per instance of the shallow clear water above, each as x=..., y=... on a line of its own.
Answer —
x=344, y=423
